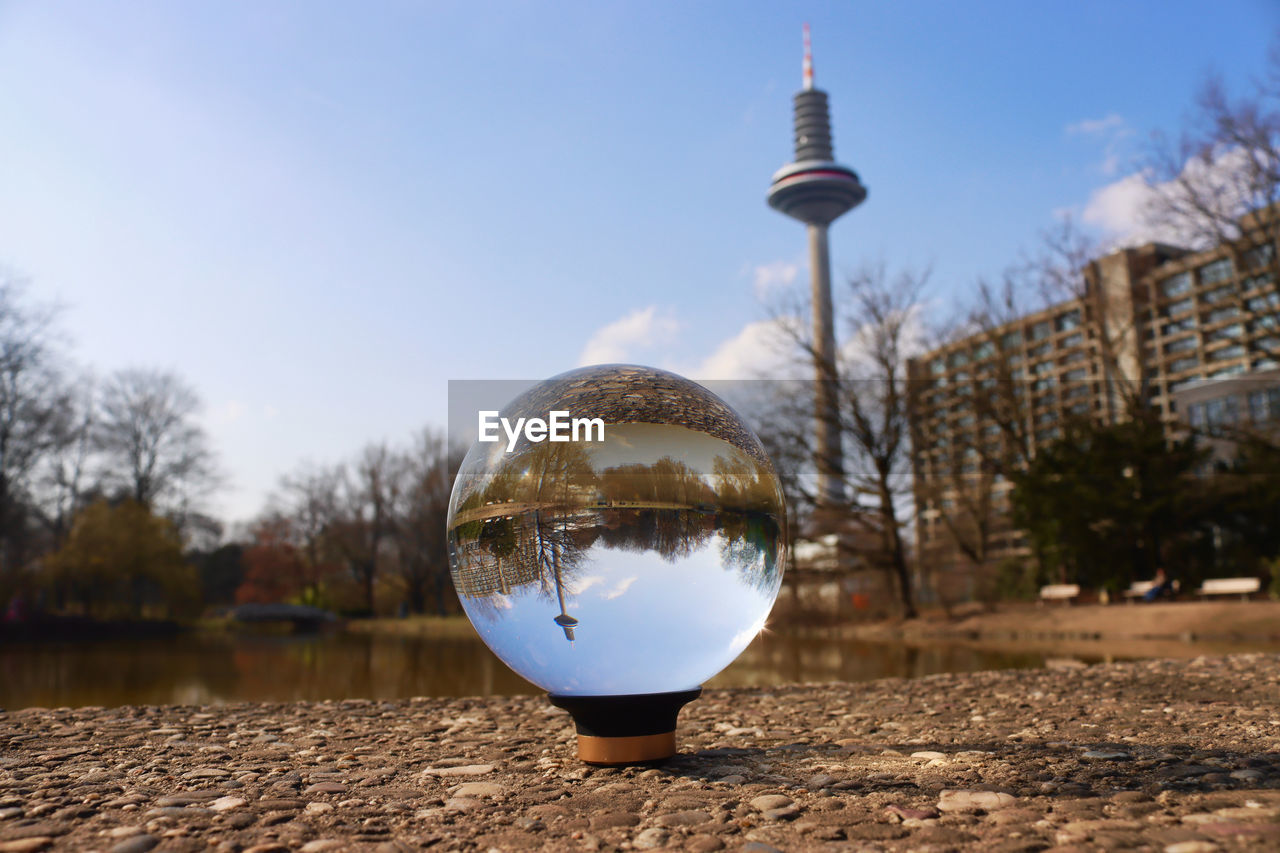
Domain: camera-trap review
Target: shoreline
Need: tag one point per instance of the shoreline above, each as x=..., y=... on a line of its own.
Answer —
x=1181, y=756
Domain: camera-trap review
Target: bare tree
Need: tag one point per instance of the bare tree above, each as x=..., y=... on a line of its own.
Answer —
x=1217, y=183
x=430, y=467
x=881, y=314
x=152, y=447
x=371, y=490
x=34, y=412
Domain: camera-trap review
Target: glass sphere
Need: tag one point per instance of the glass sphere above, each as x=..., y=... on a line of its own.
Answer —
x=640, y=561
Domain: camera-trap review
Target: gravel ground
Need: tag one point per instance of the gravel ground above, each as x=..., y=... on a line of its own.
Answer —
x=1172, y=756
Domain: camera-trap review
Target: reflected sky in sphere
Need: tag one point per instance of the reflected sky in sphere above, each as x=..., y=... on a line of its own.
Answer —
x=641, y=564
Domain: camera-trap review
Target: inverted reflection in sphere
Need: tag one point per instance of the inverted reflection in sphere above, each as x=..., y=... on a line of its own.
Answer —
x=643, y=563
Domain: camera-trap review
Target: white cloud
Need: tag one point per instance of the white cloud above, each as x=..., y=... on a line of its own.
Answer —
x=1113, y=131
x=616, y=342
x=762, y=349
x=1097, y=126
x=771, y=277
x=1121, y=208
x=620, y=589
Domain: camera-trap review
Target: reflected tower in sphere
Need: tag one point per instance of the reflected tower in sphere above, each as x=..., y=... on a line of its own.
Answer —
x=817, y=190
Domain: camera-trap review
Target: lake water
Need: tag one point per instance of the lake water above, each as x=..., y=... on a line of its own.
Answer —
x=231, y=667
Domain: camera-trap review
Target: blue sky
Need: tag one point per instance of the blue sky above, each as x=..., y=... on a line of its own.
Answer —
x=318, y=213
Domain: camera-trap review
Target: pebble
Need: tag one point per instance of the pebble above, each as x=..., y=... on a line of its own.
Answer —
x=326, y=788
x=766, y=802
x=651, y=838
x=479, y=789
x=24, y=845
x=223, y=804
x=1106, y=755
x=466, y=770
x=136, y=844
x=686, y=818
x=970, y=801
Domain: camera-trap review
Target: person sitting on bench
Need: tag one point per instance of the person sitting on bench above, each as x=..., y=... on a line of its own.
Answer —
x=1161, y=587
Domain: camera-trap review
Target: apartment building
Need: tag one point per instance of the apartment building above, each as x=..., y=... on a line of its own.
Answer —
x=1152, y=324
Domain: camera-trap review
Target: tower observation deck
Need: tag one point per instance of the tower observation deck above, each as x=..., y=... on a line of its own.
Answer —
x=817, y=190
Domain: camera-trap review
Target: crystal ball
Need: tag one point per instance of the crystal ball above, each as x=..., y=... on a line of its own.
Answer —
x=639, y=552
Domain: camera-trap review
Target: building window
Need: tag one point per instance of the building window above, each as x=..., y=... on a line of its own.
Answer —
x=1074, y=391
x=1175, y=286
x=1011, y=340
x=937, y=366
x=1068, y=321
x=985, y=350
x=1176, y=326
x=1038, y=352
x=1041, y=385
x=1233, y=351
x=1273, y=402
x=958, y=359
x=1226, y=333
x=1077, y=375
x=1218, y=314
x=1232, y=370
x=1195, y=415
x=1183, y=364
x=1073, y=340
x=1183, y=383
x=1218, y=294
x=1258, y=257
x=1181, y=345
x=1072, y=358
x=1042, y=368
x=1219, y=270
x=1174, y=308
x=1040, y=330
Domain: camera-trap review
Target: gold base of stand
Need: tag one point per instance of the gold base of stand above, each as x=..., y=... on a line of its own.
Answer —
x=626, y=750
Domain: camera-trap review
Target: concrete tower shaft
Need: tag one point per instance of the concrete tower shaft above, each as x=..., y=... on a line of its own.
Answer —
x=817, y=190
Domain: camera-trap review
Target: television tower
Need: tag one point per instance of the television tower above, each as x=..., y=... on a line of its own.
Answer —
x=817, y=190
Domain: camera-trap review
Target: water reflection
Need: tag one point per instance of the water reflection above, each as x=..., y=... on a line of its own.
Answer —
x=641, y=563
x=205, y=668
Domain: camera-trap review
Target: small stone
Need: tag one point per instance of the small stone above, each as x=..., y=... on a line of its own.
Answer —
x=280, y=804
x=207, y=773
x=703, y=844
x=822, y=780
x=732, y=779
x=1247, y=775
x=1106, y=755
x=784, y=813
x=136, y=844
x=974, y=801
x=651, y=838
x=759, y=847
x=927, y=755
x=322, y=844
x=479, y=789
x=1192, y=847
x=318, y=808
x=464, y=770
x=12, y=811
x=326, y=788
x=223, y=804
x=764, y=802
x=124, y=831
x=24, y=845
x=462, y=804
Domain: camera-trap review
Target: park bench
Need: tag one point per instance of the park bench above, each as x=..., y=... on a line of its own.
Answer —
x=1138, y=589
x=1059, y=592
x=1242, y=587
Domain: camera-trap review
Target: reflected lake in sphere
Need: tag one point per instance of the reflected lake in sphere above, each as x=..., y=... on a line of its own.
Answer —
x=642, y=563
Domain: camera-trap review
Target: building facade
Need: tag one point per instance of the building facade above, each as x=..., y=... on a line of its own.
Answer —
x=1155, y=325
